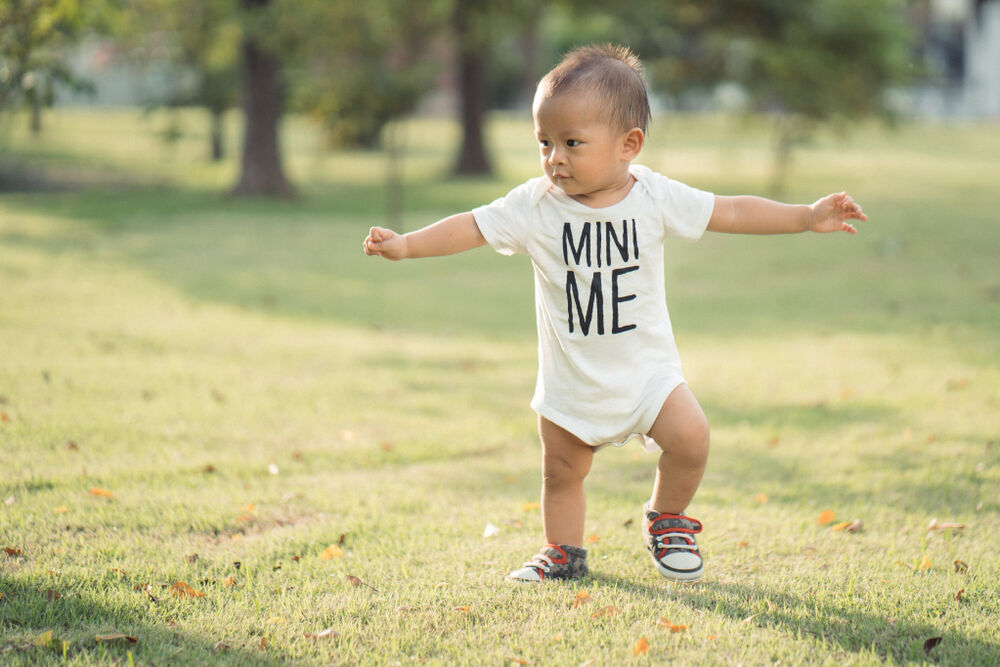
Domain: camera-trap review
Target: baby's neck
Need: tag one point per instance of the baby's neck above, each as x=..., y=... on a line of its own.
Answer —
x=608, y=196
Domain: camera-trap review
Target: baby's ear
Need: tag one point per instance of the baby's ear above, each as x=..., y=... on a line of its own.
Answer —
x=632, y=143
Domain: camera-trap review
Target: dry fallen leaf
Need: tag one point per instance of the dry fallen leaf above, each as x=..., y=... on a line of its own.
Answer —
x=181, y=589
x=101, y=493
x=582, y=597
x=761, y=498
x=673, y=627
x=331, y=552
x=925, y=564
x=606, y=612
x=594, y=539
x=12, y=552
x=641, y=647
x=52, y=595
x=742, y=544
x=931, y=643
x=961, y=567
x=62, y=509
x=936, y=525
x=958, y=595
x=825, y=517
x=356, y=581
x=528, y=507
x=323, y=634
x=838, y=527
x=115, y=636
x=229, y=581
x=465, y=609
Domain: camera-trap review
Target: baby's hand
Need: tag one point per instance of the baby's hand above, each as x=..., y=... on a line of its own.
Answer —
x=385, y=243
x=831, y=213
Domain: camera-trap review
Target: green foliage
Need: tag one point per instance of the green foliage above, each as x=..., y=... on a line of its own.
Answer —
x=356, y=66
x=34, y=35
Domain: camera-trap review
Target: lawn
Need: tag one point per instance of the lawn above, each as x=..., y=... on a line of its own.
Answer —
x=226, y=436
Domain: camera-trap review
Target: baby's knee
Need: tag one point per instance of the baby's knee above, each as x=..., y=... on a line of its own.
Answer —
x=558, y=470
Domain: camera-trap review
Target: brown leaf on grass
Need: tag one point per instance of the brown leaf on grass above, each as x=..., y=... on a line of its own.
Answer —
x=62, y=509
x=594, y=539
x=936, y=525
x=930, y=644
x=673, y=627
x=12, y=552
x=331, y=552
x=465, y=609
x=628, y=522
x=356, y=581
x=606, y=612
x=641, y=647
x=229, y=582
x=961, y=567
x=263, y=643
x=519, y=661
x=71, y=446
x=181, y=589
x=101, y=493
x=191, y=558
x=115, y=636
x=742, y=544
x=925, y=564
x=341, y=539
x=323, y=634
x=761, y=498
x=825, y=517
x=4, y=417
x=582, y=598
x=52, y=595
x=958, y=595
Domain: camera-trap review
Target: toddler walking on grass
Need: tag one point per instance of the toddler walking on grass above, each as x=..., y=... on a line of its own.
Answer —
x=608, y=368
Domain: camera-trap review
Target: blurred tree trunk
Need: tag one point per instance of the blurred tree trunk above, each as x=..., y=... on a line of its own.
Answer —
x=216, y=135
x=473, y=91
x=261, y=172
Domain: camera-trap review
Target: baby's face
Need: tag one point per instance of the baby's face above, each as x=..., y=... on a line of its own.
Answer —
x=580, y=152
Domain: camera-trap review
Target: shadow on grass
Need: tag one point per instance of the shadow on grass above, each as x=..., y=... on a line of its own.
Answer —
x=836, y=625
x=65, y=615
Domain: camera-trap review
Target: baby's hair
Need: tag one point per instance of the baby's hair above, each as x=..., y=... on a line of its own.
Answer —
x=614, y=72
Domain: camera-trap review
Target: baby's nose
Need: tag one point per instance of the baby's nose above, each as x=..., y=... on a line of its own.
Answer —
x=556, y=157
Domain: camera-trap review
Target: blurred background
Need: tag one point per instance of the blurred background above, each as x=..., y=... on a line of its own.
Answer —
x=231, y=72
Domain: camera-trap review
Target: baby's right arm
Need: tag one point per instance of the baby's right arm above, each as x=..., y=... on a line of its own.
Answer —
x=445, y=237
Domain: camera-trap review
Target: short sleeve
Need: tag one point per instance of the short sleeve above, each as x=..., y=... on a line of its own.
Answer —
x=685, y=210
x=505, y=222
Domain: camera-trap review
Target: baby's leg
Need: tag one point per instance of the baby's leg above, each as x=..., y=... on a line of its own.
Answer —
x=566, y=461
x=681, y=431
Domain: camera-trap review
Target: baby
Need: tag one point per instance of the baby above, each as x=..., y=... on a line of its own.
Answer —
x=608, y=368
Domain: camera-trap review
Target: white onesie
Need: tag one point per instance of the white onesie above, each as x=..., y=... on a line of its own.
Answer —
x=606, y=354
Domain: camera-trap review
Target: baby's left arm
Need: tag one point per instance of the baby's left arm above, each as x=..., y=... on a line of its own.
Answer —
x=755, y=215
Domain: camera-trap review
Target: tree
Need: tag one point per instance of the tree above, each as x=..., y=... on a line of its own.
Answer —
x=478, y=29
x=34, y=35
x=261, y=170
x=201, y=41
x=370, y=64
x=805, y=63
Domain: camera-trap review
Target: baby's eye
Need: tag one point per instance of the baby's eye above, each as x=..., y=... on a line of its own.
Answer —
x=544, y=143
x=573, y=143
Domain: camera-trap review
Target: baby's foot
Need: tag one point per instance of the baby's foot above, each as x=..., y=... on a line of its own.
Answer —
x=554, y=561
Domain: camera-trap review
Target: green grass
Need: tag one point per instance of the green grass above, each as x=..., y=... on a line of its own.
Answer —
x=190, y=346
